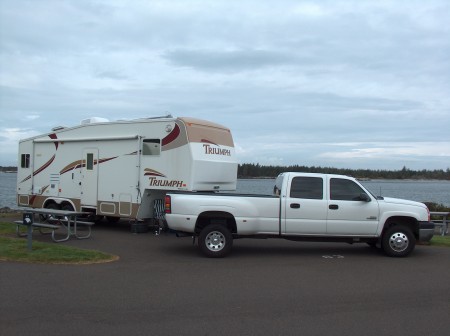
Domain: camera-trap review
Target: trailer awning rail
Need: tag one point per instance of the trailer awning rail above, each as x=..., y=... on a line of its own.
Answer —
x=130, y=137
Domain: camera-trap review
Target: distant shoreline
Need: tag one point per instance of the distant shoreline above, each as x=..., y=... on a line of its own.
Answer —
x=7, y=210
x=250, y=171
x=361, y=179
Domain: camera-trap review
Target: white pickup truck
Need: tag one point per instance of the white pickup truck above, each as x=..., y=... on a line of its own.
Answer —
x=304, y=207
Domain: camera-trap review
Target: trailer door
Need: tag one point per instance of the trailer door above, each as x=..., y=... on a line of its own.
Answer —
x=89, y=177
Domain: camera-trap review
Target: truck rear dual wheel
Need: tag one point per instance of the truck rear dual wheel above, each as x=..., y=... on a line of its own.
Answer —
x=398, y=241
x=215, y=241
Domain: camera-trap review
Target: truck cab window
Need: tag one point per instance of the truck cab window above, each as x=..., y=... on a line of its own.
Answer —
x=344, y=190
x=151, y=147
x=307, y=187
x=25, y=161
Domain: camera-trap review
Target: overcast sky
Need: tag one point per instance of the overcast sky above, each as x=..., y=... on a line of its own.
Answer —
x=348, y=84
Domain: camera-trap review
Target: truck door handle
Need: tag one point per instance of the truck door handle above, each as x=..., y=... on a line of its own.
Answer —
x=333, y=207
x=295, y=206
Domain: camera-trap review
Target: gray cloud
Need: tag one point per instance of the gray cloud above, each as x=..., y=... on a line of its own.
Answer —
x=291, y=78
x=237, y=60
x=111, y=74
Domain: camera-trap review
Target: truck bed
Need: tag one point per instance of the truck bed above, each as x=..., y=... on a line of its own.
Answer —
x=253, y=213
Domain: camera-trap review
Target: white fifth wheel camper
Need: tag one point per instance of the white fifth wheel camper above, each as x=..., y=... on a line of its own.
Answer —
x=120, y=169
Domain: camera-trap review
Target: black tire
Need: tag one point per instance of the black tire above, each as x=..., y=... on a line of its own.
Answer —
x=53, y=206
x=215, y=241
x=398, y=241
x=67, y=207
x=49, y=218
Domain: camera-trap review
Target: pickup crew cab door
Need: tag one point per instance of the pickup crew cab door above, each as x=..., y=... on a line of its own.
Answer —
x=348, y=212
x=305, y=208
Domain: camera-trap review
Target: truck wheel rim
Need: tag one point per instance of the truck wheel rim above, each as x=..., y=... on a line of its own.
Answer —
x=398, y=242
x=215, y=241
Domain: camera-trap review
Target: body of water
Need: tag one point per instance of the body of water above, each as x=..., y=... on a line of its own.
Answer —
x=8, y=182
x=421, y=191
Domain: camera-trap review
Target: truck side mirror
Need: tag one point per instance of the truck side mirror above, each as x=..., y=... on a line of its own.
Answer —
x=364, y=197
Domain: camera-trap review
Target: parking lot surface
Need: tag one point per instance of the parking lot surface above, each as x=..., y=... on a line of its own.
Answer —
x=161, y=285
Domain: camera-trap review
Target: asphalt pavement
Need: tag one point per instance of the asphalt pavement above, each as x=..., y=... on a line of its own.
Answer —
x=161, y=285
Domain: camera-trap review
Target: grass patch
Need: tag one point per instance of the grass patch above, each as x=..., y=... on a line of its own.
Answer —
x=15, y=249
x=7, y=228
x=440, y=241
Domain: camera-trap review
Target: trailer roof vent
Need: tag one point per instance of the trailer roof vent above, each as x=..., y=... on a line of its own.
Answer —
x=93, y=120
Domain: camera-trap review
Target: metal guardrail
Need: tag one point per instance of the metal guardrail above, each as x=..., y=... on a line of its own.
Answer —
x=443, y=223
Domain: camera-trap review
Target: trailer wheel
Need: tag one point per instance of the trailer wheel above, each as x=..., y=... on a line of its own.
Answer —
x=53, y=206
x=398, y=241
x=67, y=207
x=215, y=241
x=49, y=218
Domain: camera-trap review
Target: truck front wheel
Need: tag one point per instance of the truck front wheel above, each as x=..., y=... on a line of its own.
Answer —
x=215, y=241
x=398, y=241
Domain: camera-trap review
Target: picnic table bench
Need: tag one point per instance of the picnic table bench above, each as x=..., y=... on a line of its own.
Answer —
x=56, y=219
x=39, y=226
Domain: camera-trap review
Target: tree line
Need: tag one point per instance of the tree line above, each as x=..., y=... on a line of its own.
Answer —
x=251, y=170
x=8, y=169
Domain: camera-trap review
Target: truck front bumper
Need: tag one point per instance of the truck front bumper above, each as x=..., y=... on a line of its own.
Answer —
x=426, y=231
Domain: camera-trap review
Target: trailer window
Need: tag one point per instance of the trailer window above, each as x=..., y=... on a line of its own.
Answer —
x=307, y=187
x=90, y=161
x=151, y=147
x=25, y=161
